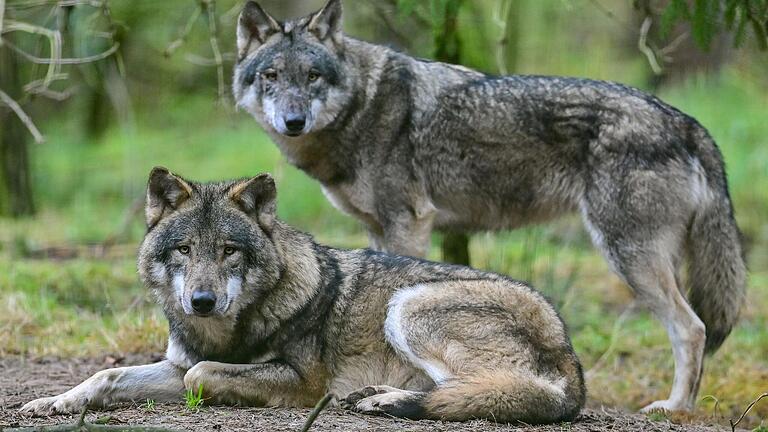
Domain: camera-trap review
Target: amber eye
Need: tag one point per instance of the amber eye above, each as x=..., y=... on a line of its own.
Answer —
x=270, y=75
x=229, y=250
x=184, y=250
x=313, y=76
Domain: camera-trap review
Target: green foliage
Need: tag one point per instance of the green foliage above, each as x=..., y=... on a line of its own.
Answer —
x=193, y=401
x=710, y=17
x=149, y=405
x=657, y=416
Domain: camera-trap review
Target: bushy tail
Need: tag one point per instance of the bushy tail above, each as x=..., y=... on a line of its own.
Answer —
x=716, y=270
x=506, y=397
x=717, y=273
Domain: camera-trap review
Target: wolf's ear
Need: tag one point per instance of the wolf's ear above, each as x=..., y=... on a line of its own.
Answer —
x=165, y=193
x=327, y=22
x=257, y=197
x=254, y=27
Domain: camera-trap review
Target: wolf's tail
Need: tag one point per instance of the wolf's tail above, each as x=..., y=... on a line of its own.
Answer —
x=509, y=396
x=717, y=272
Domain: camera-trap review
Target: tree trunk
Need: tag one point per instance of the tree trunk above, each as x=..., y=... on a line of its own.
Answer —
x=448, y=49
x=15, y=184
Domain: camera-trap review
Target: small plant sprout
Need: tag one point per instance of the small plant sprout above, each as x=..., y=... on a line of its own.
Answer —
x=149, y=405
x=194, y=401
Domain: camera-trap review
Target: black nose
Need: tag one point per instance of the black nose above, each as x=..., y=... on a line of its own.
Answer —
x=295, y=123
x=203, y=301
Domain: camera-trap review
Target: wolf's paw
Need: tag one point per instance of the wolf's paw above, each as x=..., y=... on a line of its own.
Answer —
x=384, y=400
x=53, y=405
x=350, y=402
x=665, y=406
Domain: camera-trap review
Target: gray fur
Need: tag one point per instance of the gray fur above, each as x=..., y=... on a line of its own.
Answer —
x=407, y=145
x=392, y=335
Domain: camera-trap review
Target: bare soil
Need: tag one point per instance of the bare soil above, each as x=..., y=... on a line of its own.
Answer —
x=22, y=380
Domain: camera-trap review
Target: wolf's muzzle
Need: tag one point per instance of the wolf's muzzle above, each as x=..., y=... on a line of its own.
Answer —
x=294, y=124
x=203, y=302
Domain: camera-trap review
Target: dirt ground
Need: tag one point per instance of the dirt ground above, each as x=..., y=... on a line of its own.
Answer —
x=23, y=380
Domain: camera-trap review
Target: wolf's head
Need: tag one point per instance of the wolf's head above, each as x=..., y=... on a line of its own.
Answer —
x=290, y=76
x=208, y=249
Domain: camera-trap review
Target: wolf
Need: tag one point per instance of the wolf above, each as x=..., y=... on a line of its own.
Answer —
x=407, y=145
x=260, y=314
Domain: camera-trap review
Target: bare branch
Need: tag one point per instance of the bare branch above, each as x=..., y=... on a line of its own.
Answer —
x=642, y=45
x=500, y=18
x=58, y=3
x=2, y=16
x=746, y=411
x=178, y=42
x=12, y=104
x=210, y=7
x=54, y=38
x=65, y=61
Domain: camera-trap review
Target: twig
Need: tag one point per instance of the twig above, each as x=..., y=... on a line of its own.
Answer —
x=2, y=16
x=22, y=116
x=716, y=409
x=65, y=61
x=210, y=8
x=642, y=45
x=500, y=18
x=81, y=419
x=28, y=4
x=746, y=411
x=321, y=404
x=54, y=38
x=175, y=44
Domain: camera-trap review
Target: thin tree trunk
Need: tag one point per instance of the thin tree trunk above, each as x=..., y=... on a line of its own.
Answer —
x=448, y=49
x=15, y=184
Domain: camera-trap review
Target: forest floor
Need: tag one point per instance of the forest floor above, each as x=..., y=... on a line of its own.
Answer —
x=22, y=380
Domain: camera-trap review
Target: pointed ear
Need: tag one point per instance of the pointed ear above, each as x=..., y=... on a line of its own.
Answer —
x=326, y=23
x=165, y=193
x=254, y=27
x=258, y=198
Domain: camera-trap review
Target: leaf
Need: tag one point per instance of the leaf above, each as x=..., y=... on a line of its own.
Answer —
x=677, y=10
x=762, y=40
x=703, y=22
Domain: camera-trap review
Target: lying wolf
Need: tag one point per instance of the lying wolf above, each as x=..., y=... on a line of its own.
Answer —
x=406, y=145
x=260, y=314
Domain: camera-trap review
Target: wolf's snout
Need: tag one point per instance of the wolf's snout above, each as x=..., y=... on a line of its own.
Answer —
x=203, y=302
x=295, y=123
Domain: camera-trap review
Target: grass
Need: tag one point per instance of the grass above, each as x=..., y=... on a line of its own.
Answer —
x=93, y=304
x=193, y=401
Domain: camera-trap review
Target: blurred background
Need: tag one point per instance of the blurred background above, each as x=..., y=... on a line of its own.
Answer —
x=95, y=94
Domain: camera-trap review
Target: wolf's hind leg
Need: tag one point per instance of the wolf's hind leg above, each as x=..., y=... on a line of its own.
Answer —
x=648, y=263
x=495, y=350
x=160, y=381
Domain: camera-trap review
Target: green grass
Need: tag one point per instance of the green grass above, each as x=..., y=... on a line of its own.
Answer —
x=94, y=304
x=193, y=401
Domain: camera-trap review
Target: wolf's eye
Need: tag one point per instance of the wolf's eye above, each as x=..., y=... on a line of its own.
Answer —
x=313, y=76
x=229, y=250
x=269, y=75
x=184, y=250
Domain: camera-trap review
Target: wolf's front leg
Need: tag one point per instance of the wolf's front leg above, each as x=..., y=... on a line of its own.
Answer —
x=406, y=231
x=159, y=381
x=260, y=384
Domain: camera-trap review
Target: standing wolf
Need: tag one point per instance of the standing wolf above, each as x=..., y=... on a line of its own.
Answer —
x=261, y=314
x=406, y=145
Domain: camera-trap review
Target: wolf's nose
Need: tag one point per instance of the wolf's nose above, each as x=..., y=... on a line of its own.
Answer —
x=295, y=123
x=203, y=301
